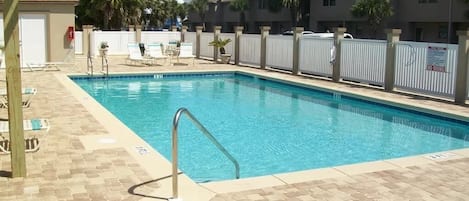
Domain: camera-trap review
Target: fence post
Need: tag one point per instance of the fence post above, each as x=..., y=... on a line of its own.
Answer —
x=138, y=33
x=460, y=94
x=86, y=40
x=390, y=69
x=264, y=33
x=216, y=36
x=198, y=32
x=338, y=36
x=174, y=28
x=131, y=27
x=296, y=49
x=183, y=33
x=238, y=33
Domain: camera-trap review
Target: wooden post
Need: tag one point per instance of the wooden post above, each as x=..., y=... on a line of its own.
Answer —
x=13, y=78
x=198, y=32
x=338, y=36
x=462, y=81
x=298, y=32
x=238, y=33
x=174, y=28
x=264, y=33
x=216, y=36
x=389, y=75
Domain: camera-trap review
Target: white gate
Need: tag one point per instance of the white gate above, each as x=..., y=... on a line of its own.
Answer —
x=412, y=73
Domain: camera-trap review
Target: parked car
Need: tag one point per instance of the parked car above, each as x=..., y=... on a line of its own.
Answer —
x=328, y=35
x=290, y=33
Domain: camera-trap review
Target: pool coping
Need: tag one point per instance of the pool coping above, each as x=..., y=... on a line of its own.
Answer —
x=121, y=136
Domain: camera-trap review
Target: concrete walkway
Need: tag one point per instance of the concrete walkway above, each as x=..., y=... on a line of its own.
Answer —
x=70, y=165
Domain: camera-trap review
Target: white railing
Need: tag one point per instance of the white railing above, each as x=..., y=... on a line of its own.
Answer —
x=279, y=52
x=363, y=60
x=315, y=55
x=191, y=37
x=160, y=37
x=412, y=74
x=117, y=41
x=250, y=49
x=78, y=42
x=205, y=49
x=230, y=47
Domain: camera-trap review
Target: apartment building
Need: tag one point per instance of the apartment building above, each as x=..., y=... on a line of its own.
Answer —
x=420, y=20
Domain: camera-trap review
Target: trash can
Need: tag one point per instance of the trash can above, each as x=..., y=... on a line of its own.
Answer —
x=142, y=48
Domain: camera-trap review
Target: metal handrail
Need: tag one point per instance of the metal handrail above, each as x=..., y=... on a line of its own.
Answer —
x=104, y=64
x=177, y=116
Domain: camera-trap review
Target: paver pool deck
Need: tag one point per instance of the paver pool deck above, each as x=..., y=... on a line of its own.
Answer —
x=88, y=154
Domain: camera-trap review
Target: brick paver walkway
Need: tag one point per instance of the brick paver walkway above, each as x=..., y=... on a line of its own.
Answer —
x=442, y=181
x=64, y=170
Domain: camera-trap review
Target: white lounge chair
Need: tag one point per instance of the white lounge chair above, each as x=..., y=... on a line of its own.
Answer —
x=135, y=56
x=156, y=52
x=28, y=125
x=185, y=51
x=30, y=145
x=28, y=94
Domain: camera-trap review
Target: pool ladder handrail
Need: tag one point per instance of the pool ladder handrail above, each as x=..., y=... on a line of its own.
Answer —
x=177, y=116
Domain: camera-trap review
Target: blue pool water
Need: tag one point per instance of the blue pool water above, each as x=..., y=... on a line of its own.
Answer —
x=267, y=126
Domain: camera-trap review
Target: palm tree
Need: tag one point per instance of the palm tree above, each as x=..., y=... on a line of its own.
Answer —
x=295, y=11
x=107, y=7
x=376, y=11
x=240, y=6
x=131, y=12
x=200, y=7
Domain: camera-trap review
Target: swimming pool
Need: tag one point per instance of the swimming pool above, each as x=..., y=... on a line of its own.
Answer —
x=269, y=127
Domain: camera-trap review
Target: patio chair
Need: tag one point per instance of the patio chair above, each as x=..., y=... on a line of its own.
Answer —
x=31, y=145
x=52, y=65
x=156, y=52
x=28, y=94
x=135, y=56
x=185, y=51
x=28, y=125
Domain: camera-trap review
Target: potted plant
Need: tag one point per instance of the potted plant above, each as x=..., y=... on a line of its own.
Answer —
x=220, y=44
x=103, y=48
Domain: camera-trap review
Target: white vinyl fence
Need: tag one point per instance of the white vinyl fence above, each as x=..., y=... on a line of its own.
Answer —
x=363, y=60
x=250, y=49
x=117, y=41
x=279, y=52
x=205, y=49
x=315, y=55
x=413, y=74
x=190, y=37
x=160, y=36
x=78, y=42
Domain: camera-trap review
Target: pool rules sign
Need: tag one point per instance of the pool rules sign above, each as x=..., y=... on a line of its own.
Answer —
x=437, y=58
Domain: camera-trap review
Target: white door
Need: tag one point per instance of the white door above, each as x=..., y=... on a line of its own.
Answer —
x=32, y=38
x=32, y=29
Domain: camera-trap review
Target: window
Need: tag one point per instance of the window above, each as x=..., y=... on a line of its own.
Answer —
x=262, y=4
x=443, y=32
x=328, y=2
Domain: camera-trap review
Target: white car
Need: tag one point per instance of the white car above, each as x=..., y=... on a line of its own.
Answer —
x=328, y=35
x=290, y=33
